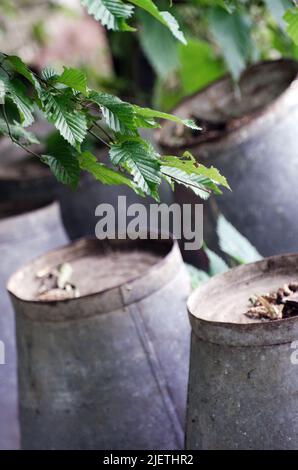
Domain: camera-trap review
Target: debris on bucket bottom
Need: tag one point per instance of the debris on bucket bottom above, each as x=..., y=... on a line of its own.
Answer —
x=282, y=303
x=56, y=285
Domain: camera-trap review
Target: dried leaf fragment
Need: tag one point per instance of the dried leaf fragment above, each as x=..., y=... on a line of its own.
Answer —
x=282, y=303
x=55, y=284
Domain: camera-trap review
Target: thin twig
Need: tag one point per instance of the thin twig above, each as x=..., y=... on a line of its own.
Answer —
x=98, y=137
x=6, y=71
x=45, y=82
x=188, y=184
x=103, y=130
x=13, y=139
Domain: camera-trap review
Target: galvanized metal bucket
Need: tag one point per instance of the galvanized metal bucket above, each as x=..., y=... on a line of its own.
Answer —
x=251, y=137
x=243, y=383
x=106, y=370
x=26, y=183
x=21, y=238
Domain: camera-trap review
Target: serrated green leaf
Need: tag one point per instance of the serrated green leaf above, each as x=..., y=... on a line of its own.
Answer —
x=234, y=243
x=200, y=185
x=216, y=264
x=111, y=13
x=49, y=73
x=64, y=165
x=102, y=173
x=16, y=91
x=145, y=123
x=189, y=165
x=291, y=18
x=118, y=114
x=213, y=174
x=164, y=17
x=75, y=79
x=173, y=25
x=139, y=158
x=148, y=113
x=71, y=124
x=20, y=67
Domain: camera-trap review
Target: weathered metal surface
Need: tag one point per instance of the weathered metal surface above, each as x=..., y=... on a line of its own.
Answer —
x=21, y=238
x=243, y=386
x=107, y=370
x=253, y=143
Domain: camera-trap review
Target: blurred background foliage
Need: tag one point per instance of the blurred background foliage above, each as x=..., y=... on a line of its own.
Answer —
x=150, y=66
x=223, y=36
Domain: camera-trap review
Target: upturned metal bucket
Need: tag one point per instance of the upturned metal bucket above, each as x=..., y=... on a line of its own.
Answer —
x=109, y=369
x=22, y=237
x=243, y=383
x=250, y=135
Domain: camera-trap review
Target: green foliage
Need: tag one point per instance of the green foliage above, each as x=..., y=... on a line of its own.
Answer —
x=199, y=185
x=114, y=13
x=141, y=160
x=17, y=92
x=198, y=65
x=234, y=244
x=158, y=44
x=2, y=91
x=216, y=264
x=119, y=115
x=291, y=19
x=62, y=160
x=164, y=17
x=48, y=74
x=148, y=113
x=18, y=66
x=76, y=111
x=14, y=89
x=102, y=173
x=111, y=13
x=186, y=171
x=64, y=166
x=278, y=9
x=197, y=276
x=187, y=163
x=75, y=79
x=232, y=32
x=125, y=118
x=222, y=35
x=18, y=132
x=58, y=109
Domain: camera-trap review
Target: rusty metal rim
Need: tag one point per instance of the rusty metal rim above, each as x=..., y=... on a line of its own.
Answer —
x=260, y=333
x=173, y=250
x=266, y=111
x=20, y=224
